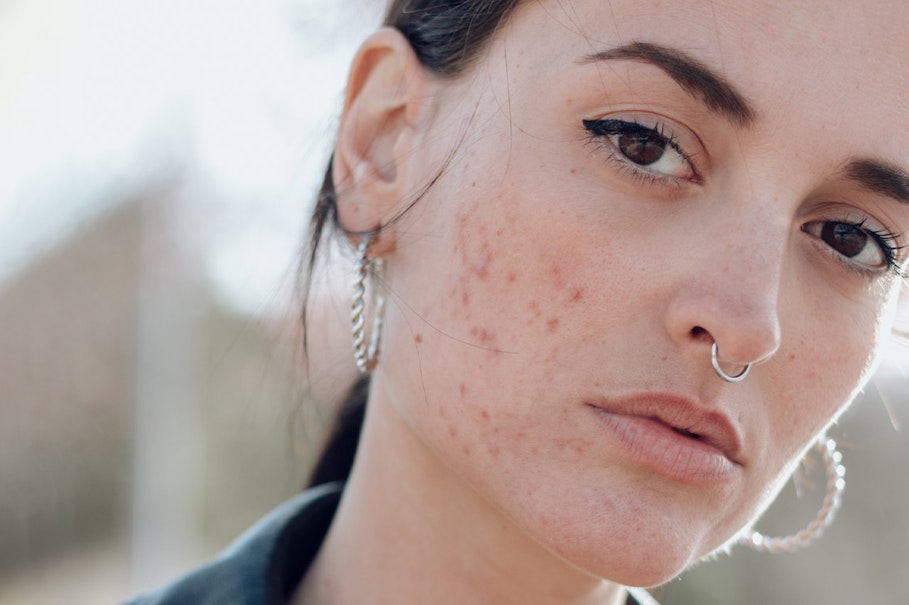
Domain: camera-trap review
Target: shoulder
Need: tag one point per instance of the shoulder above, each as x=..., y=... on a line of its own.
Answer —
x=264, y=565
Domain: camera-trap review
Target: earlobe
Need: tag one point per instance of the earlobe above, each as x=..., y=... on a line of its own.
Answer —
x=381, y=109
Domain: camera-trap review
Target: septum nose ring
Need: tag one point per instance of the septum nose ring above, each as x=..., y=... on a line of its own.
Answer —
x=719, y=371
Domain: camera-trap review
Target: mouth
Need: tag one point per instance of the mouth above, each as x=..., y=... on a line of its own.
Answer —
x=673, y=436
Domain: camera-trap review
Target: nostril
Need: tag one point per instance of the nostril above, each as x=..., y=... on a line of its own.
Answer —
x=699, y=333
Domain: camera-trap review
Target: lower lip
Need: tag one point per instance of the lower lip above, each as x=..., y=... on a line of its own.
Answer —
x=657, y=447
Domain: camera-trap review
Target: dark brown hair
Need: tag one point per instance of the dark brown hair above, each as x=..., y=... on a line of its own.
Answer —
x=446, y=37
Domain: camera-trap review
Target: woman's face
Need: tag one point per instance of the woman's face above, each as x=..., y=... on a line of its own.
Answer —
x=630, y=184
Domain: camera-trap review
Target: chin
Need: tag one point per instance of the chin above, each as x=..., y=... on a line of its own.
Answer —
x=634, y=557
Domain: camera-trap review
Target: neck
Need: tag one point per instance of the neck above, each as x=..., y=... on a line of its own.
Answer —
x=409, y=531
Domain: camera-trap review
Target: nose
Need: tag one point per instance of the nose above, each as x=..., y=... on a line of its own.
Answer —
x=729, y=295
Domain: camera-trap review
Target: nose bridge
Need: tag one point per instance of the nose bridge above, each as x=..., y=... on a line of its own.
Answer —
x=732, y=293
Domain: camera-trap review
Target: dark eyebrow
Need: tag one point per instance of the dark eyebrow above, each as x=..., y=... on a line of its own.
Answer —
x=691, y=74
x=879, y=177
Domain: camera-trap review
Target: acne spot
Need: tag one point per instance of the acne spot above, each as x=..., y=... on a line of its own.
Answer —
x=494, y=451
x=577, y=294
x=466, y=450
x=462, y=390
x=481, y=269
x=512, y=277
x=534, y=307
x=418, y=338
x=452, y=432
x=553, y=324
x=556, y=273
x=499, y=232
x=465, y=299
x=484, y=415
x=483, y=335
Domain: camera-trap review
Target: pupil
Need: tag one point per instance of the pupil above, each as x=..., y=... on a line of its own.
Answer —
x=642, y=148
x=848, y=240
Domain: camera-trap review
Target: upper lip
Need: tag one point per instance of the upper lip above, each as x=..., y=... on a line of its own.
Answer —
x=706, y=424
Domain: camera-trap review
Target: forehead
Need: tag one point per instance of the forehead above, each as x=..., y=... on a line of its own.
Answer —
x=842, y=64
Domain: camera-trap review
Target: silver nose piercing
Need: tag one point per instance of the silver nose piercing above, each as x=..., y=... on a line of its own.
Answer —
x=719, y=371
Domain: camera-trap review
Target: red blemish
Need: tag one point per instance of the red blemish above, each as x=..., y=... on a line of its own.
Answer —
x=466, y=450
x=462, y=389
x=482, y=268
x=535, y=308
x=577, y=294
x=553, y=324
x=465, y=299
x=453, y=432
x=512, y=277
x=486, y=336
x=418, y=338
x=500, y=231
x=484, y=415
x=475, y=331
x=557, y=276
x=494, y=451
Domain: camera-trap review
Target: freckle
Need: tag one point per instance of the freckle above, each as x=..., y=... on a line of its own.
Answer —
x=418, y=338
x=792, y=357
x=577, y=294
x=512, y=277
x=573, y=171
x=473, y=184
x=553, y=324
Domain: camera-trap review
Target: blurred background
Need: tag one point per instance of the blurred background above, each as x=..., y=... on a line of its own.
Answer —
x=158, y=159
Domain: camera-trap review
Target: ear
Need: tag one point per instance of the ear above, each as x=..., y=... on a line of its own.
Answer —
x=382, y=104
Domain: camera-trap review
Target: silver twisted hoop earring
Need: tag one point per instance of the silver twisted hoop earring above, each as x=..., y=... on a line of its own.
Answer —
x=836, y=483
x=367, y=358
x=719, y=371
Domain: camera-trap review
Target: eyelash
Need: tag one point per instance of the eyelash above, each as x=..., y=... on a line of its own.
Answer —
x=600, y=130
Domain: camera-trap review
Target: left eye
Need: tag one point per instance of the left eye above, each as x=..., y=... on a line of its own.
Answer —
x=853, y=242
x=644, y=147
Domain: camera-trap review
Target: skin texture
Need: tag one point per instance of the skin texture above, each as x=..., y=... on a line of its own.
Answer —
x=541, y=284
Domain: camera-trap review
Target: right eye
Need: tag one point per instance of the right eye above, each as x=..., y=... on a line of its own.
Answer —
x=646, y=149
